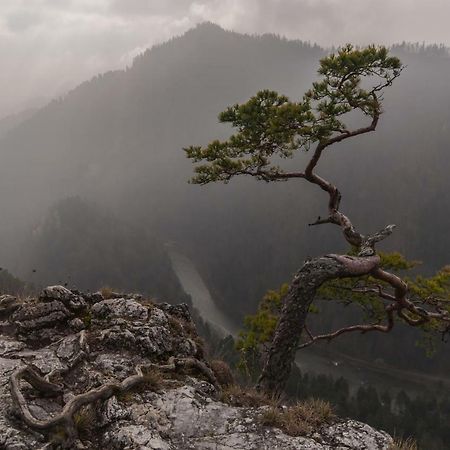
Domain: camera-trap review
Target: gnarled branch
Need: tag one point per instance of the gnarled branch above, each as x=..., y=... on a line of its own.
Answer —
x=362, y=328
x=65, y=418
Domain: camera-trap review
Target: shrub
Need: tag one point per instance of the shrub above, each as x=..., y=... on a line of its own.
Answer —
x=222, y=372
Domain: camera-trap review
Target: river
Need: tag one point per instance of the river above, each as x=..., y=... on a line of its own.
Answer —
x=193, y=285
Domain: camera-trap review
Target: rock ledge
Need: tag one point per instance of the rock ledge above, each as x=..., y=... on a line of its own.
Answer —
x=81, y=342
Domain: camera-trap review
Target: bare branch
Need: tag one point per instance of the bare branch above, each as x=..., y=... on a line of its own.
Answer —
x=286, y=175
x=362, y=328
x=378, y=290
x=357, y=132
x=410, y=320
x=320, y=221
x=400, y=292
x=368, y=244
x=400, y=287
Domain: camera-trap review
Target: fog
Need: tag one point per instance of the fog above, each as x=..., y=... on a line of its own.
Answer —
x=48, y=47
x=99, y=98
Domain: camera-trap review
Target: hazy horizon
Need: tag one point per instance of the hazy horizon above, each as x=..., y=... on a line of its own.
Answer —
x=50, y=47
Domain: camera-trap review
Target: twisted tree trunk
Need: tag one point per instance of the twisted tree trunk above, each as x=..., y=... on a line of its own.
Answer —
x=295, y=310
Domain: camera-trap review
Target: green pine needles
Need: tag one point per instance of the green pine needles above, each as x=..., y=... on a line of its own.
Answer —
x=270, y=126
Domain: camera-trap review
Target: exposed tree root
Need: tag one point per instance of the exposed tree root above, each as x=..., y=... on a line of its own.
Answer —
x=65, y=419
x=175, y=364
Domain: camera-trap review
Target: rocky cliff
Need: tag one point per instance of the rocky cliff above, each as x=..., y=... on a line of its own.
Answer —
x=110, y=371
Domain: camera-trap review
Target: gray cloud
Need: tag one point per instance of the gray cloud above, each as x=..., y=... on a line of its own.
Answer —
x=144, y=7
x=22, y=20
x=47, y=46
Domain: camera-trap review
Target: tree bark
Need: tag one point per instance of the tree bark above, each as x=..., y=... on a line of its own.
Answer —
x=301, y=294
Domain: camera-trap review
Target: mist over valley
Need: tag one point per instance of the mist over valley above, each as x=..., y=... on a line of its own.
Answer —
x=95, y=193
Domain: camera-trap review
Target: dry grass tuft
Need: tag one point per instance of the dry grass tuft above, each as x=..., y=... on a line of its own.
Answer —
x=148, y=302
x=85, y=420
x=404, y=444
x=189, y=328
x=58, y=436
x=175, y=325
x=236, y=395
x=106, y=292
x=222, y=372
x=201, y=347
x=126, y=397
x=300, y=419
x=153, y=380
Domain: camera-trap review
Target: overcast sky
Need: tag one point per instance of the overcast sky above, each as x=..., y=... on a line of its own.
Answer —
x=49, y=46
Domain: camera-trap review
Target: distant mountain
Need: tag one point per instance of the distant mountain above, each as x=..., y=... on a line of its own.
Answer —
x=9, y=122
x=117, y=140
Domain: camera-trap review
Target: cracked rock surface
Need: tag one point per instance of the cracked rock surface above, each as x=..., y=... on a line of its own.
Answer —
x=83, y=341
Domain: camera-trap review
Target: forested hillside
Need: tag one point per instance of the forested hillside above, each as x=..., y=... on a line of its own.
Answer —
x=117, y=140
x=82, y=246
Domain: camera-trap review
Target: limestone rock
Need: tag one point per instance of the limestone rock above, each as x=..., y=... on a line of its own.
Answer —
x=120, y=307
x=8, y=304
x=191, y=420
x=84, y=341
x=39, y=321
x=77, y=324
x=60, y=293
x=356, y=435
x=10, y=346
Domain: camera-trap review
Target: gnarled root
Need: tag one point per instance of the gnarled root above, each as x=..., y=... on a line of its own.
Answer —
x=175, y=364
x=65, y=419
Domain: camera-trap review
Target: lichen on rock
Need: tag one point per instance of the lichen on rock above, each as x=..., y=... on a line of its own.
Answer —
x=122, y=373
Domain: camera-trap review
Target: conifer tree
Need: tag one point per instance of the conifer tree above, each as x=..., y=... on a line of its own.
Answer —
x=270, y=128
